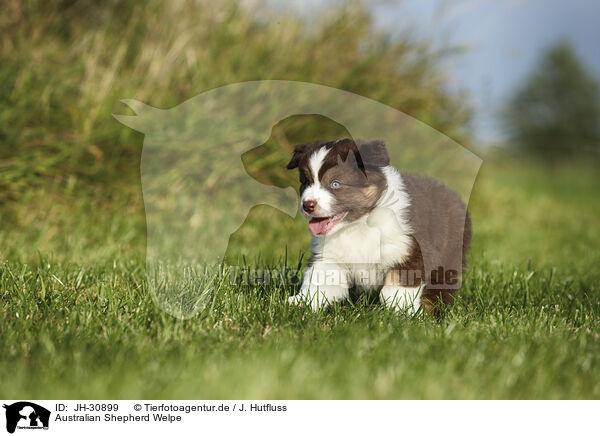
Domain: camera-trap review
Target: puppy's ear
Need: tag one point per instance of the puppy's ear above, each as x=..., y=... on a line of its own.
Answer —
x=374, y=154
x=299, y=151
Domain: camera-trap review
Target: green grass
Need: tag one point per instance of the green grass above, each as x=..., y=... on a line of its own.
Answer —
x=76, y=315
x=77, y=319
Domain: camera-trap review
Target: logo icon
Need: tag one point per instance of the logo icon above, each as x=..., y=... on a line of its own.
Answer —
x=26, y=415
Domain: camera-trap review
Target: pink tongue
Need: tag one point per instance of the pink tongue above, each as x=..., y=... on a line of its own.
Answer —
x=318, y=225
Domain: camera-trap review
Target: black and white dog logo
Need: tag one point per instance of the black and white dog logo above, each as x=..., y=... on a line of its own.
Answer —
x=26, y=415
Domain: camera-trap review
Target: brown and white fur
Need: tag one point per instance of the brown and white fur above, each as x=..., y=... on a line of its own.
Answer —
x=376, y=230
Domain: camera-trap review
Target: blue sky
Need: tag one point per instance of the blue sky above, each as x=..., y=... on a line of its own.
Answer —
x=503, y=41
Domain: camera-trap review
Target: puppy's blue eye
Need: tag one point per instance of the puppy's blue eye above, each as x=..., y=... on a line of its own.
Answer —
x=335, y=184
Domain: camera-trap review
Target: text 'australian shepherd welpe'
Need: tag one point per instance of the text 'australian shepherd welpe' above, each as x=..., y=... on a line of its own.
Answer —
x=377, y=230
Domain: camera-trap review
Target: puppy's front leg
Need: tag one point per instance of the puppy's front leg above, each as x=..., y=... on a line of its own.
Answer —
x=323, y=284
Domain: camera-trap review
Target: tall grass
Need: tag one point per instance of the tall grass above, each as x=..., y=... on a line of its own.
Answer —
x=64, y=65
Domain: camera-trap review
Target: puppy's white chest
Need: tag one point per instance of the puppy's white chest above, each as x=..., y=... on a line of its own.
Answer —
x=379, y=238
x=357, y=243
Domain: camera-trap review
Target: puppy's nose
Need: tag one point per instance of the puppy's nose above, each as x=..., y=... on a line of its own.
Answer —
x=309, y=206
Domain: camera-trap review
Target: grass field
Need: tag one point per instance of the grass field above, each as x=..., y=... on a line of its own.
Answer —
x=77, y=319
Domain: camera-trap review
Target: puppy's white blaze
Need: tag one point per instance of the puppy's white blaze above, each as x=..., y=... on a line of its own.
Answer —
x=315, y=162
x=325, y=200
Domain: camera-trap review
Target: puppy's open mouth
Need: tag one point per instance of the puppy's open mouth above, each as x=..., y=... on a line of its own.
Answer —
x=320, y=226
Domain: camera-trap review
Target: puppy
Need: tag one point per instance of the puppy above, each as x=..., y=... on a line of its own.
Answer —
x=376, y=230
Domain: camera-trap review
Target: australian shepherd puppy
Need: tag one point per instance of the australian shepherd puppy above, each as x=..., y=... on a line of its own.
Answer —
x=376, y=230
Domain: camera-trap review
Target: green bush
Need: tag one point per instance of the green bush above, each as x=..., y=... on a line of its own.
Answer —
x=555, y=113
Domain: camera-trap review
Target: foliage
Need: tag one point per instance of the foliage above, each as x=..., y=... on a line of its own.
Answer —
x=65, y=65
x=556, y=112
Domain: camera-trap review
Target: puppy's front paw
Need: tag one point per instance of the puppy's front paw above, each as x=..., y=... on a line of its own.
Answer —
x=305, y=297
x=296, y=299
x=314, y=299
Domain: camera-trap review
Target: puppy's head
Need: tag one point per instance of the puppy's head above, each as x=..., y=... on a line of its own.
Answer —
x=340, y=181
